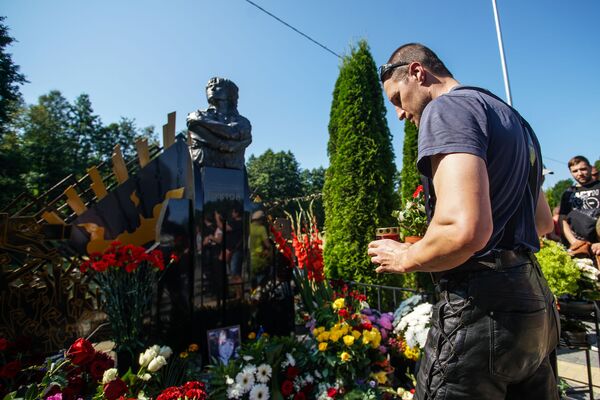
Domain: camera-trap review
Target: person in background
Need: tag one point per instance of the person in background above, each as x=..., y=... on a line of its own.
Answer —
x=580, y=208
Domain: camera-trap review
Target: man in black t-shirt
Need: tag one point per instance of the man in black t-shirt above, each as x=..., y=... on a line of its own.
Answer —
x=584, y=196
x=495, y=323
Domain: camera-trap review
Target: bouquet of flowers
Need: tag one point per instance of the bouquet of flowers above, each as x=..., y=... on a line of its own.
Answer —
x=412, y=218
x=413, y=328
x=348, y=349
x=268, y=367
x=126, y=275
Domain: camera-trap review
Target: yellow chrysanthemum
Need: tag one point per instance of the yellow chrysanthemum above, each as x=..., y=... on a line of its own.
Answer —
x=339, y=303
x=323, y=337
x=348, y=340
x=323, y=346
x=356, y=334
x=412, y=353
x=345, y=356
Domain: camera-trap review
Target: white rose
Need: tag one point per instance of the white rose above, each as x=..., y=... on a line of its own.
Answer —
x=109, y=375
x=157, y=363
x=146, y=377
x=165, y=351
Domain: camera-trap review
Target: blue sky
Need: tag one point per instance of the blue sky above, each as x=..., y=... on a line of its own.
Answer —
x=144, y=59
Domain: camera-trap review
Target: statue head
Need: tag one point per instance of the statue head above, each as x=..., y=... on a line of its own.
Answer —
x=221, y=89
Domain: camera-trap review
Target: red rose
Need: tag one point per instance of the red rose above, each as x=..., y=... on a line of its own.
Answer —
x=287, y=387
x=10, y=370
x=332, y=392
x=292, y=372
x=81, y=352
x=99, y=364
x=114, y=389
x=367, y=325
x=343, y=313
x=3, y=344
x=299, y=396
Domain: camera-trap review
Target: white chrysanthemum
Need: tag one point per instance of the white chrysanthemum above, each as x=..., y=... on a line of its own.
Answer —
x=234, y=392
x=109, y=375
x=165, y=351
x=421, y=337
x=157, y=363
x=245, y=381
x=259, y=392
x=228, y=380
x=263, y=373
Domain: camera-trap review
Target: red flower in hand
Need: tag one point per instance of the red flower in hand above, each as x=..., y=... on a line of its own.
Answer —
x=81, y=352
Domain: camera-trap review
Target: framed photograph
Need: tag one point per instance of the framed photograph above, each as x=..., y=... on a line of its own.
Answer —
x=223, y=343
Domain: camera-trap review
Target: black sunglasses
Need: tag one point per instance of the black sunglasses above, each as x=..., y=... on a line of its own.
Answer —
x=385, y=68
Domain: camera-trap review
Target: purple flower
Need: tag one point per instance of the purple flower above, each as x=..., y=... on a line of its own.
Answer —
x=382, y=349
x=366, y=311
x=57, y=396
x=386, y=321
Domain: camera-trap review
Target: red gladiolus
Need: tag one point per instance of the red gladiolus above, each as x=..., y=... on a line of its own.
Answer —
x=10, y=370
x=287, y=387
x=114, y=389
x=81, y=352
x=417, y=191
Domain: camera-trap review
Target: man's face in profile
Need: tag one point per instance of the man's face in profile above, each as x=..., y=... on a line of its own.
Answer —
x=581, y=172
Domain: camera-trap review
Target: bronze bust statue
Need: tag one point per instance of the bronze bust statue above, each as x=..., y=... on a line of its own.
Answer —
x=219, y=134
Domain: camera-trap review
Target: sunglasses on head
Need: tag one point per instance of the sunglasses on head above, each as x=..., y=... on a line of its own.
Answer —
x=385, y=68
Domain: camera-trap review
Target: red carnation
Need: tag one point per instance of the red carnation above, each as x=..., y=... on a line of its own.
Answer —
x=170, y=393
x=287, y=387
x=99, y=364
x=332, y=392
x=114, y=389
x=10, y=370
x=81, y=352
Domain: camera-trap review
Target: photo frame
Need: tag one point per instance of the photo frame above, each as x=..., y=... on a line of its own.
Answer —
x=223, y=343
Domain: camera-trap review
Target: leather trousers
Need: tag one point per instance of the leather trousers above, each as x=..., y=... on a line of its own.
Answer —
x=491, y=333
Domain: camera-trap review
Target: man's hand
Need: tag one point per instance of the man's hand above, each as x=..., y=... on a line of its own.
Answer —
x=596, y=248
x=388, y=254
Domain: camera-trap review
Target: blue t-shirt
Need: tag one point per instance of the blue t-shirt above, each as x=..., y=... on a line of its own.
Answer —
x=470, y=121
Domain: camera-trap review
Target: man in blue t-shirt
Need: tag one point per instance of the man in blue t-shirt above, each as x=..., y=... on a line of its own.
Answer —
x=495, y=325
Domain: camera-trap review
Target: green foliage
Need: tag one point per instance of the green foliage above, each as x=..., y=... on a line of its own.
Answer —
x=55, y=138
x=358, y=191
x=554, y=193
x=10, y=80
x=410, y=177
x=559, y=268
x=597, y=164
x=274, y=176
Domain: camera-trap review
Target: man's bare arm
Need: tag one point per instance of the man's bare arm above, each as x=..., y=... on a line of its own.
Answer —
x=543, y=216
x=462, y=223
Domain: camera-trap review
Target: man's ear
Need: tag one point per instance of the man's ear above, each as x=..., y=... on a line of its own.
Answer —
x=418, y=71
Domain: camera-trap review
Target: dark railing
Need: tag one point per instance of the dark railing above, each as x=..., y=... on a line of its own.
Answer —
x=397, y=294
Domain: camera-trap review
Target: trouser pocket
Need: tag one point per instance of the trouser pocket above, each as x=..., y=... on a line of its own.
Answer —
x=519, y=342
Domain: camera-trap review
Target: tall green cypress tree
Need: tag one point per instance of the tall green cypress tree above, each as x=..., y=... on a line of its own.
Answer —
x=358, y=191
x=410, y=178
